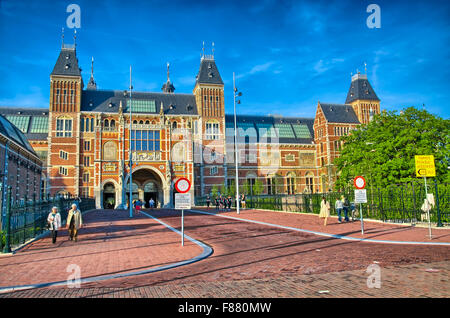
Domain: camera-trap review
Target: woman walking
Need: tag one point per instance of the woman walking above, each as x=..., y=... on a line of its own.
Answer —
x=324, y=210
x=54, y=221
x=74, y=222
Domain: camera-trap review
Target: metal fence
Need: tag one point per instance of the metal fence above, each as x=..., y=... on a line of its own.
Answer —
x=27, y=220
x=396, y=203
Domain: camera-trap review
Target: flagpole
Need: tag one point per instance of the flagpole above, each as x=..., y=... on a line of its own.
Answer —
x=236, y=146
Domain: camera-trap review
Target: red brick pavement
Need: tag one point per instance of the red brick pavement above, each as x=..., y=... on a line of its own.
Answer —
x=109, y=243
x=395, y=281
x=372, y=229
x=253, y=255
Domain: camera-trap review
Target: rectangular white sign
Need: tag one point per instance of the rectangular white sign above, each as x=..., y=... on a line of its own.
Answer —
x=360, y=196
x=182, y=201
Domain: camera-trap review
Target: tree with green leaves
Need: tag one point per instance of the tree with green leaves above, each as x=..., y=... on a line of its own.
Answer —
x=214, y=191
x=383, y=150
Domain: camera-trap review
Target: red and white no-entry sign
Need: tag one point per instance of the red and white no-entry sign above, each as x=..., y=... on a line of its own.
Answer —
x=182, y=185
x=359, y=182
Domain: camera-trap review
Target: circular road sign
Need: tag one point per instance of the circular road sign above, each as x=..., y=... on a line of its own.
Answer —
x=183, y=185
x=359, y=182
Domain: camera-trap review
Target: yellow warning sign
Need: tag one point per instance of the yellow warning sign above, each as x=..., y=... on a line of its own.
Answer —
x=425, y=166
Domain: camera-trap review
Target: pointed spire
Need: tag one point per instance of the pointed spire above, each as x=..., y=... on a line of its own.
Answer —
x=92, y=85
x=62, y=37
x=161, y=110
x=168, y=73
x=168, y=86
x=365, y=67
x=75, y=37
x=203, y=50
x=213, y=49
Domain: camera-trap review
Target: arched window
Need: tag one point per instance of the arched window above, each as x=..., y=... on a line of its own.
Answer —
x=309, y=181
x=112, y=125
x=291, y=184
x=174, y=125
x=106, y=124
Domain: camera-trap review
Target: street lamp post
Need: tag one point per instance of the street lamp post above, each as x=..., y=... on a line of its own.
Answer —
x=235, y=141
x=130, y=155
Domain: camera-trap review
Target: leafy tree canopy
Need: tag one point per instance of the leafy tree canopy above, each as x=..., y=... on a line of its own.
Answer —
x=383, y=151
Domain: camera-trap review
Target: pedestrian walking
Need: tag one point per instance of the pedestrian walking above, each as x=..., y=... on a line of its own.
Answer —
x=138, y=205
x=346, y=204
x=54, y=222
x=243, y=201
x=217, y=203
x=230, y=200
x=324, y=210
x=74, y=222
x=151, y=203
x=208, y=201
x=339, y=205
x=221, y=203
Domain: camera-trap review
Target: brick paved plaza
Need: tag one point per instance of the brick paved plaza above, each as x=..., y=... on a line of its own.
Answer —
x=248, y=259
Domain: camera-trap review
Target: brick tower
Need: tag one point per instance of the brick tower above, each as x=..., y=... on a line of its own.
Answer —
x=363, y=99
x=210, y=144
x=66, y=85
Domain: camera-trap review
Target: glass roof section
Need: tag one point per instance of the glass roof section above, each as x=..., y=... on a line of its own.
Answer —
x=301, y=130
x=39, y=125
x=142, y=106
x=285, y=130
x=20, y=122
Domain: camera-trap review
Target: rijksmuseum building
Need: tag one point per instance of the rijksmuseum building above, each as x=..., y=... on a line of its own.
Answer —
x=83, y=138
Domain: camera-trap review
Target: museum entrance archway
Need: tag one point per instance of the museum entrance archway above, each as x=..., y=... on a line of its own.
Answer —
x=147, y=185
x=109, y=196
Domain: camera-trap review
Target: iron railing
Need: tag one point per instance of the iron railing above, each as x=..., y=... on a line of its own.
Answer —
x=396, y=203
x=27, y=220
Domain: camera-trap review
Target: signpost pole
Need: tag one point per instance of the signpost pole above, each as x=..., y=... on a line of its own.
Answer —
x=428, y=211
x=362, y=222
x=182, y=227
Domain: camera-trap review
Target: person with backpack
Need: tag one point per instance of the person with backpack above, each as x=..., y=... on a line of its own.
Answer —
x=74, y=222
x=54, y=223
x=346, y=206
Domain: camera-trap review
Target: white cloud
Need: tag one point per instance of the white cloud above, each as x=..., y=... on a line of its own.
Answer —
x=256, y=69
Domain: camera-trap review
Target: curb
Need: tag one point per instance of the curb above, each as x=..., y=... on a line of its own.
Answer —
x=337, y=236
x=207, y=251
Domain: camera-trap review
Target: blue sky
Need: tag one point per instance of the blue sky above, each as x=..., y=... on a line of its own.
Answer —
x=287, y=55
